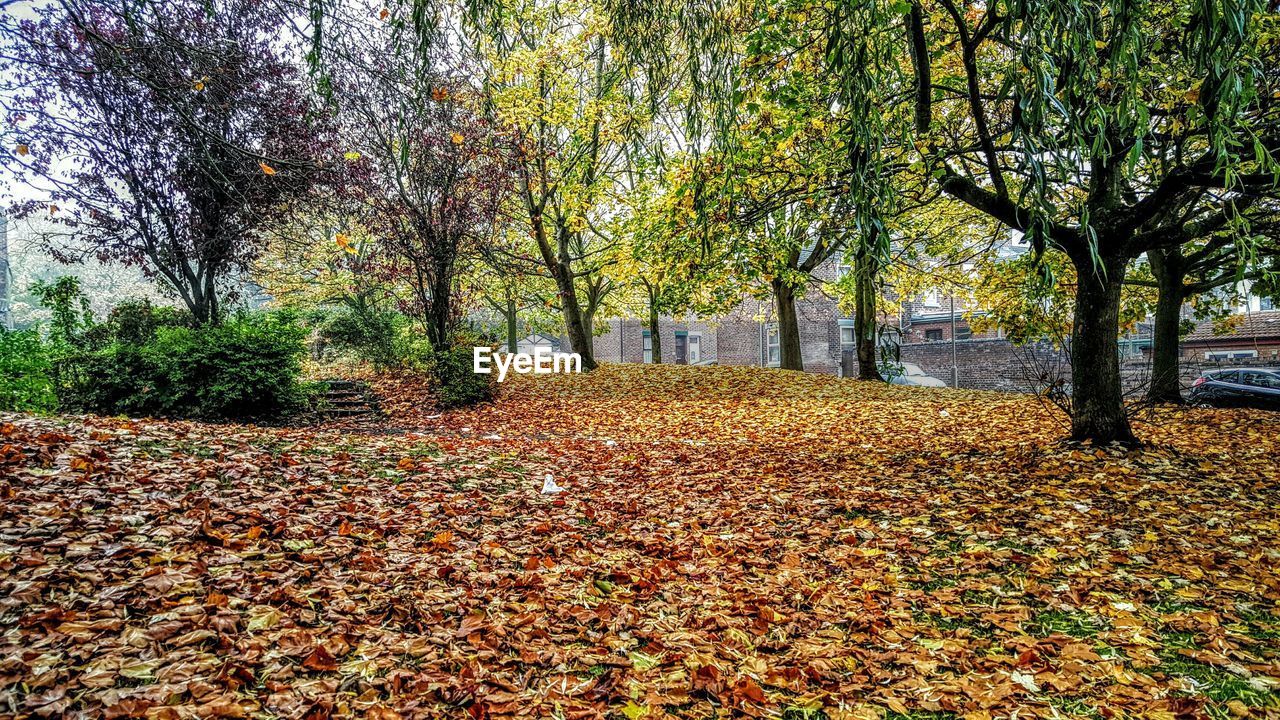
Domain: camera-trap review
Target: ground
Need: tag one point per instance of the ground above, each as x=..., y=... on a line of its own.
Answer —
x=729, y=542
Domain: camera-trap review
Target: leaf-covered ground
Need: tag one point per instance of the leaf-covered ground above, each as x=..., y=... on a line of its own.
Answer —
x=731, y=542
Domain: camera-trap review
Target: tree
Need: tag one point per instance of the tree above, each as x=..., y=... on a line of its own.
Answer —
x=555, y=88
x=164, y=135
x=430, y=172
x=1094, y=128
x=1180, y=273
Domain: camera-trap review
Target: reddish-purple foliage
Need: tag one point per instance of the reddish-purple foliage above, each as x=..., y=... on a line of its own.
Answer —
x=166, y=134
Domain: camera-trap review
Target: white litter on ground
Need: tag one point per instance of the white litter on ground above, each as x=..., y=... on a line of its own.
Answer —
x=549, y=486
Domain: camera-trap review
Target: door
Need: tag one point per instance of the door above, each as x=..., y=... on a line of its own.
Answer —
x=682, y=348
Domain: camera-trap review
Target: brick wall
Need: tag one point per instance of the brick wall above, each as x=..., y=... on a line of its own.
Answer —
x=989, y=364
x=623, y=340
x=994, y=364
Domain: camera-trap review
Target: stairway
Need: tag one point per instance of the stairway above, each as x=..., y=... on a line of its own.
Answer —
x=349, y=399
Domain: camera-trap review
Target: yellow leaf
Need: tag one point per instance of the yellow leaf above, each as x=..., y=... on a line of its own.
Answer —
x=22, y=149
x=634, y=711
x=198, y=85
x=457, y=138
x=267, y=169
x=352, y=155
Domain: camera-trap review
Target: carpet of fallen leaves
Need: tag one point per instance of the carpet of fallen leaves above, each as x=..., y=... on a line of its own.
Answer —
x=730, y=542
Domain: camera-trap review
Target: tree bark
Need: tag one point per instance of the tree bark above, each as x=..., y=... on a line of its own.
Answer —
x=1097, y=398
x=580, y=339
x=655, y=337
x=788, y=327
x=1166, y=380
x=864, y=318
x=439, y=310
x=513, y=342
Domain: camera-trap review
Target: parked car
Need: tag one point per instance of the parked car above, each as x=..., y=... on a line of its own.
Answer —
x=910, y=374
x=1242, y=387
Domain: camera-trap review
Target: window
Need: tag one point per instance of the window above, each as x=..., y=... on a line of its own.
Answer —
x=963, y=332
x=648, y=346
x=773, y=346
x=932, y=299
x=694, y=352
x=842, y=270
x=847, y=338
x=1230, y=354
x=1266, y=303
x=1260, y=379
x=933, y=335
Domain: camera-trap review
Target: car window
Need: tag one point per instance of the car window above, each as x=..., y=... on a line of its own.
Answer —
x=1261, y=379
x=1227, y=376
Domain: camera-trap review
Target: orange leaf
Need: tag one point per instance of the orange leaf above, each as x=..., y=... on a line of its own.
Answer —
x=267, y=169
x=443, y=538
x=320, y=659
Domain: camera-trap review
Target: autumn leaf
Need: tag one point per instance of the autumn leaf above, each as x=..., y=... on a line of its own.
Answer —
x=320, y=659
x=22, y=150
x=267, y=169
x=456, y=138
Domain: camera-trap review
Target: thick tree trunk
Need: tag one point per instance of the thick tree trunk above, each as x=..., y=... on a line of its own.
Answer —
x=1097, y=397
x=864, y=318
x=788, y=327
x=513, y=342
x=1166, y=380
x=580, y=337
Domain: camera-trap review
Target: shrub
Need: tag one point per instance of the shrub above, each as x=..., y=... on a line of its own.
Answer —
x=245, y=369
x=367, y=333
x=455, y=380
x=26, y=373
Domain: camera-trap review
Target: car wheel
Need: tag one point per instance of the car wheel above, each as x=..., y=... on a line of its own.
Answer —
x=1201, y=403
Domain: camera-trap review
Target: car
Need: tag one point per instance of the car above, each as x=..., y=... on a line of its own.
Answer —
x=910, y=374
x=1238, y=387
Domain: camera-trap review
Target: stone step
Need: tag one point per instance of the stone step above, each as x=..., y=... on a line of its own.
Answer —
x=349, y=398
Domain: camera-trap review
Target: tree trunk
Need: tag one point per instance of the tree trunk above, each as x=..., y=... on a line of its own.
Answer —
x=513, y=342
x=864, y=319
x=788, y=327
x=1097, y=398
x=655, y=337
x=580, y=337
x=1166, y=381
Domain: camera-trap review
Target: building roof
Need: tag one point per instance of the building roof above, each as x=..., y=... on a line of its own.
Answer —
x=1253, y=325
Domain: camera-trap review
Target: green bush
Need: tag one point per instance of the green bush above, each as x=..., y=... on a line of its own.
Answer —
x=248, y=368
x=26, y=373
x=368, y=334
x=455, y=380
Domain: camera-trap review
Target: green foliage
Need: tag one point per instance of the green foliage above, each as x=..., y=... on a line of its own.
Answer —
x=26, y=373
x=247, y=368
x=368, y=333
x=69, y=307
x=456, y=382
